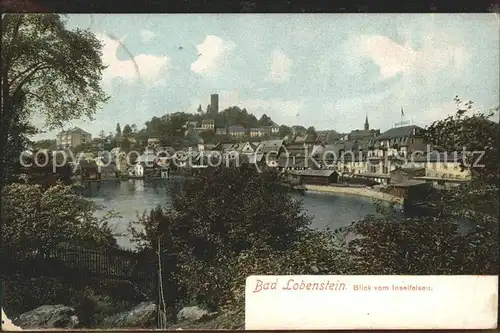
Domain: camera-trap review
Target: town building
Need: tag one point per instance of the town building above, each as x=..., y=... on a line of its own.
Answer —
x=443, y=165
x=153, y=142
x=401, y=175
x=256, y=132
x=221, y=131
x=246, y=147
x=299, y=151
x=271, y=151
x=72, y=138
x=390, y=150
x=208, y=125
x=236, y=130
x=398, y=141
x=361, y=135
x=328, y=136
x=270, y=130
x=275, y=128
x=411, y=190
x=316, y=177
x=442, y=169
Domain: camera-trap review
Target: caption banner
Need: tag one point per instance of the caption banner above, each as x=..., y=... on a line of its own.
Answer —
x=371, y=302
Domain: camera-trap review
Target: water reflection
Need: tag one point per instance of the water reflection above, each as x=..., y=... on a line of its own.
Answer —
x=133, y=197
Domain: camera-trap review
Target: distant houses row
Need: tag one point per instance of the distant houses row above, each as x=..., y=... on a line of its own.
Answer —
x=362, y=154
x=232, y=130
x=375, y=160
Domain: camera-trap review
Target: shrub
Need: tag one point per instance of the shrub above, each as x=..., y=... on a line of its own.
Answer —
x=22, y=294
x=315, y=252
x=216, y=217
x=35, y=218
x=43, y=218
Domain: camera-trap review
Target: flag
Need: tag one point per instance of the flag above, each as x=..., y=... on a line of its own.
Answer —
x=402, y=112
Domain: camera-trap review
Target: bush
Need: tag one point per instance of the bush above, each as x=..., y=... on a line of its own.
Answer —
x=215, y=218
x=460, y=238
x=43, y=218
x=315, y=252
x=21, y=294
x=34, y=219
x=92, y=307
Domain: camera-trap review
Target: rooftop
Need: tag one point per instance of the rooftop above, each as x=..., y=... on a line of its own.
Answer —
x=409, y=183
x=75, y=130
x=450, y=157
x=398, y=132
x=316, y=173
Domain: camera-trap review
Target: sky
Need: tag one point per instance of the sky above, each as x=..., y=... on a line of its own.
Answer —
x=323, y=70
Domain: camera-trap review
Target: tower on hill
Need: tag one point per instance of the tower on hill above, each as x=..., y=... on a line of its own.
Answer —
x=214, y=103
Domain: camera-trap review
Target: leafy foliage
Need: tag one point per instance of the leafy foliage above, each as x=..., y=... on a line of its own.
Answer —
x=474, y=131
x=45, y=144
x=423, y=246
x=314, y=252
x=48, y=70
x=43, y=218
x=227, y=219
x=60, y=70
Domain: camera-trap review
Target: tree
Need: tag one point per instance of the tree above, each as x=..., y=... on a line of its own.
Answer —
x=284, y=131
x=127, y=131
x=264, y=120
x=37, y=219
x=208, y=108
x=208, y=137
x=311, y=130
x=199, y=110
x=102, y=136
x=45, y=144
x=214, y=219
x=473, y=131
x=118, y=130
x=67, y=217
x=52, y=70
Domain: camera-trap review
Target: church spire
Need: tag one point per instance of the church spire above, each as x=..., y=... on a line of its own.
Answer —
x=367, y=125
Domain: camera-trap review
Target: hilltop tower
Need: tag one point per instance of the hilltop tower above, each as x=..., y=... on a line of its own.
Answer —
x=214, y=103
x=367, y=125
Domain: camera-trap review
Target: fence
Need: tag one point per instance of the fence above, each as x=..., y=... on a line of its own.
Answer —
x=123, y=274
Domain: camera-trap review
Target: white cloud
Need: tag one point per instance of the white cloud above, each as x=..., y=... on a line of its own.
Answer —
x=280, y=66
x=149, y=68
x=393, y=58
x=147, y=35
x=212, y=54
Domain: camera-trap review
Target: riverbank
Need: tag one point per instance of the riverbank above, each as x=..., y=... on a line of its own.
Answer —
x=357, y=191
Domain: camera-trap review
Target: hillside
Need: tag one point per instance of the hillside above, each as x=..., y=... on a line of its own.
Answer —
x=170, y=128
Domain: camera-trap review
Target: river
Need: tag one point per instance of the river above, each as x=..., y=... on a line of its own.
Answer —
x=132, y=197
